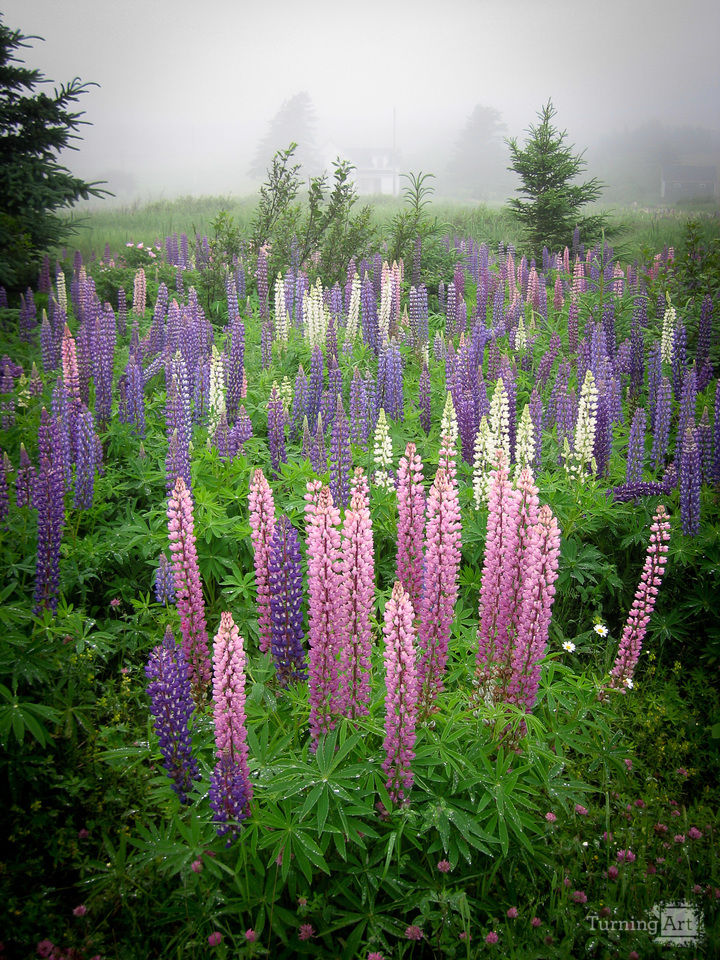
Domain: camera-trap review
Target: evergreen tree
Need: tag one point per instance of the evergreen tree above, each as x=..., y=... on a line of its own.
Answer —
x=34, y=128
x=546, y=167
x=293, y=123
x=477, y=165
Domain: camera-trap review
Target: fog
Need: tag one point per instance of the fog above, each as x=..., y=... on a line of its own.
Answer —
x=188, y=90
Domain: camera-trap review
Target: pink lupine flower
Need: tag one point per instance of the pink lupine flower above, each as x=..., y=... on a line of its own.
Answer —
x=401, y=701
x=357, y=592
x=440, y=588
x=262, y=526
x=71, y=377
x=642, y=607
x=323, y=556
x=188, y=588
x=230, y=788
x=411, y=524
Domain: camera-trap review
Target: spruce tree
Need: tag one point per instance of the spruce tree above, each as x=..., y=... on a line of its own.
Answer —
x=35, y=126
x=547, y=166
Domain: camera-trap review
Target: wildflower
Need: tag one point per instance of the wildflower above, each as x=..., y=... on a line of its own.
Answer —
x=697, y=888
x=682, y=772
x=613, y=872
x=413, y=933
x=80, y=911
x=679, y=838
x=694, y=833
x=640, y=802
x=627, y=682
x=250, y=935
x=215, y=938
x=85, y=833
x=600, y=629
x=633, y=955
x=628, y=763
x=569, y=646
x=580, y=810
x=579, y=896
x=536, y=922
x=550, y=817
x=660, y=828
x=375, y=955
x=196, y=866
x=491, y=938
x=306, y=931
x=512, y=913
x=115, y=602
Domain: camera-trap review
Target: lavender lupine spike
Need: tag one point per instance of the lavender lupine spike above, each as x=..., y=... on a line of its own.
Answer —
x=171, y=705
x=5, y=471
x=47, y=498
x=690, y=481
x=401, y=701
x=440, y=586
x=340, y=457
x=164, y=583
x=276, y=431
x=188, y=588
x=323, y=557
x=262, y=526
x=661, y=433
x=358, y=410
x=636, y=448
x=621, y=675
x=286, y=598
x=230, y=790
x=411, y=524
x=357, y=590
x=85, y=465
x=25, y=479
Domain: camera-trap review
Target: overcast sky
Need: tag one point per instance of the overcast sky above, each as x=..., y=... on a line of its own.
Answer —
x=187, y=88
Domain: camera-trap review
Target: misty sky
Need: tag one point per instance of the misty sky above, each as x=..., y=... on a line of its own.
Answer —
x=188, y=88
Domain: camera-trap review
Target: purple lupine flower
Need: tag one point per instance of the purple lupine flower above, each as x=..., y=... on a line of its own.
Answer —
x=315, y=387
x=357, y=590
x=603, y=433
x=654, y=378
x=136, y=396
x=235, y=368
x=636, y=448
x=164, y=583
x=688, y=404
x=393, y=386
x=286, y=598
x=230, y=790
x=679, y=358
x=401, y=701
x=716, y=435
x=628, y=492
x=85, y=465
x=368, y=312
x=261, y=276
x=643, y=604
x=262, y=526
x=358, y=410
x=240, y=433
x=48, y=500
x=266, y=342
x=5, y=471
x=323, y=557
x=637, y=346
x=172, y=706
x=661, y=433
x=690, y=480
x=276, y=431
x=703, y=437
x=424, y=399
x=704, y=332
x=340, y=457
x=548, y=358
x=188, y=588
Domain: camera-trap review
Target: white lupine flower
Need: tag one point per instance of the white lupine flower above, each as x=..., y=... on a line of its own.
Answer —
x=316, y=316
x=448, y=423
x=386, y=297
x=525, y=441
x=500, y=418
x=520, y=335
x=581, y=460
x=217, y=389
x=61, y=290
x=286, y=395
x=482, y=463
x=382, y=453
x=668, y=331
x=281, y=316
x=351, y=327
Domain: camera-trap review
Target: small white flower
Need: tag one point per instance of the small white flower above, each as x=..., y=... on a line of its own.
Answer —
x=628, y=683
x=601, y=629
x=569, y=646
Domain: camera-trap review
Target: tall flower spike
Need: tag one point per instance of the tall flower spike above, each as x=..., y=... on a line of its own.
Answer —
x=323, y=558
x=357, y=591
x=171, y=705
x=188, y=588
x=286, y=598
x=262, y=526
x=401, y=701
x=230, y=788
x=645, y=596
x=411, y=524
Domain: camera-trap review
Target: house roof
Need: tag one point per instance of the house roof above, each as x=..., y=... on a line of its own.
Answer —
x=689, y=173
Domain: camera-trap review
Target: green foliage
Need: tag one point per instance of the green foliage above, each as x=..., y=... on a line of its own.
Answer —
x=550, y=211
x=34, y=128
